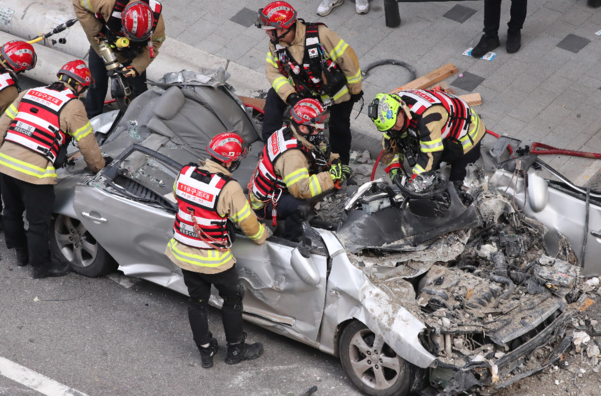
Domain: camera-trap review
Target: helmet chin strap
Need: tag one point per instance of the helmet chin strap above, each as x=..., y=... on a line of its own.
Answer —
x=276, y=39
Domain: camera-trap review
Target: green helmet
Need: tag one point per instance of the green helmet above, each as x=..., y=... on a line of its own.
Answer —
x=383, y=111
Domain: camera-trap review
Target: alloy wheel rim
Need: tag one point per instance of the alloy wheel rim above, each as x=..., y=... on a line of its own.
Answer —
x=74, y=241
x=373, y=361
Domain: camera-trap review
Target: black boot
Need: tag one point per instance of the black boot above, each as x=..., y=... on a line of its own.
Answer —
x=206, y=354
x=22, y=256
x=514, y=41
x=487, y=43
x=52, y=269
x=243, y=351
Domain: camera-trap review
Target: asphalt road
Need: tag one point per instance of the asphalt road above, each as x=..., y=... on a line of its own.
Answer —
x=100, y=338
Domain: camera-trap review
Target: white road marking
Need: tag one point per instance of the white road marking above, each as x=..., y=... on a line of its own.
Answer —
x=35, y=381
x=123, y=280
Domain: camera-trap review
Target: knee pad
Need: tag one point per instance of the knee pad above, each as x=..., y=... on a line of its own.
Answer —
x=233, y=299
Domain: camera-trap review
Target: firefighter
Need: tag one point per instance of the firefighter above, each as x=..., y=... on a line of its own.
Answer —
x=293, y=168
x=35, y=132
x=427, y=127
x=209, y=202
x=140, y=22
x=308, y=60
x=15, y=57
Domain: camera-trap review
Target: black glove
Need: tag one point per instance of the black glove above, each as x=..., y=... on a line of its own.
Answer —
x=346, y=171
x=292, y=99
x=107, y=160
x=357, y=97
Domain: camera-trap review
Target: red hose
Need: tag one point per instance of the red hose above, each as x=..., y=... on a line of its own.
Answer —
x=373, y=171
x=109, y=101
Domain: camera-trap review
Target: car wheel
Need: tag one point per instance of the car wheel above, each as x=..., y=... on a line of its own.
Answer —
x=73, y=244
x=371, y=364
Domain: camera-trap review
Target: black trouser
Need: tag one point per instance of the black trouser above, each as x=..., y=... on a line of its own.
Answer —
x=97, y=92
x=37, y=200
x=339, y=124
x=458, y=167
x=287, y=209
x=492, y=16
x=230, y=289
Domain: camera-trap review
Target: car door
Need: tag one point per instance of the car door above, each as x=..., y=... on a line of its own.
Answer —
x=278, y=294
x=131, y=215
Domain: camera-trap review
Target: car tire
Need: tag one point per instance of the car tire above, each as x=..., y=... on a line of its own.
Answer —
x=388, y=375
x=71, y=242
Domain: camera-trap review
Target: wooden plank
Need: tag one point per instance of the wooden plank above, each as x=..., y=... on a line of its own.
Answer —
x=473, y=99
x=255, y=102
x=429, y=79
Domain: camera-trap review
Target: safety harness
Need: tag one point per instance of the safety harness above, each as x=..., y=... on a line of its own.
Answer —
x=265, y=184
x=113, y=26
x=37, y=123
x=460, y=114
x=308, y=78
x=197, y=223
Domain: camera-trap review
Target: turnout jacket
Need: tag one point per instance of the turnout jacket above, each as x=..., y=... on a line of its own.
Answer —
x=432, y=124
x=86, y=11
x=336, y=50
x=8, y=90
x=232, y=204
x=24, y=164
x=295, y=170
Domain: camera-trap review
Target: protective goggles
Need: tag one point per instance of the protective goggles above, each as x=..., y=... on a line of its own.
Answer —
x=372, y=109
x=262, y=21
x=319, y=122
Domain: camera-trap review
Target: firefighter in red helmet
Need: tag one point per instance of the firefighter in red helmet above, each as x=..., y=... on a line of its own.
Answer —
x=308, y=60
x=15, y=57
x=210, y=201
x=34, y=133
x=138, y=21
x=295, y=166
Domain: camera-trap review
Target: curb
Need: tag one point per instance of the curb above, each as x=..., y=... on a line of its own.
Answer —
x=32, y=17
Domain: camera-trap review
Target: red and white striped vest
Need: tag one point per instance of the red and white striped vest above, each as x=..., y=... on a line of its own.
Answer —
x=265, y=181
x=6, y=81
x=420, y=100
x=198, y=191
x=37, y=123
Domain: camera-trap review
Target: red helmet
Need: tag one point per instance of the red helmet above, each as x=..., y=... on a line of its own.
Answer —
x=309, y=112
x=277, y=15
x=78, y=71
x=137, y=21
x=19, y=55
x=227, y=147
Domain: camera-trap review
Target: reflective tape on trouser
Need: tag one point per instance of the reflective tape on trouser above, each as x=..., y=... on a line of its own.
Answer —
x=214, y=258
x=26, y=168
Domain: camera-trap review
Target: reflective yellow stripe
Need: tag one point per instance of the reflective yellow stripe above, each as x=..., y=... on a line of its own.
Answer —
x=259, y=234
x=340, y=93
x=159, y=39
x=214, y=258
x=255, y=202
x=11, y=111
x=354, y=79
x=279, y=82
x=338, y=51
x=26, y=168
x=417, y=169
x=242, y=214
x=315, y=186
x=296, y=176
x=395, y=159
x=386, y=136
x=466, y=141
x=271, y=60
x=83, y=132
x=86, y=4
x=428, y=147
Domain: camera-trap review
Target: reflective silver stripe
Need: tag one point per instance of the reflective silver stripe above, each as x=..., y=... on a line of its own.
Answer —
x=201, y=220
x=426, y=146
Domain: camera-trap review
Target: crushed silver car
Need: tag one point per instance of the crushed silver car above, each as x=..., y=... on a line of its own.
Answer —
x=432, y=291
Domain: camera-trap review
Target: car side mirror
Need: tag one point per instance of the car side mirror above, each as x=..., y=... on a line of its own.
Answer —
x=304, y=267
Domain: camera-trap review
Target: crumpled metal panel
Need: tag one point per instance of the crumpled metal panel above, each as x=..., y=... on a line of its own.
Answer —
x=563, y=213
x=351, y=295
x=275, y=291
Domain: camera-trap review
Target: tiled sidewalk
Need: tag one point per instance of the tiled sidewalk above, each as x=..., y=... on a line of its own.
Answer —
x=549, y=91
